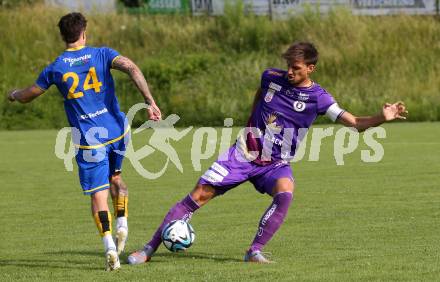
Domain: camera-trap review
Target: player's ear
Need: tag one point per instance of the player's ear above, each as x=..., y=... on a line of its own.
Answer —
x=310, y=68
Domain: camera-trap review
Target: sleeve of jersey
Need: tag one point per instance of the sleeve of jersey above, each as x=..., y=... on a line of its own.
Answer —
x=334, y=112
x=44, y=80
x=328, y=106
x=265, y=80
x=110, y=55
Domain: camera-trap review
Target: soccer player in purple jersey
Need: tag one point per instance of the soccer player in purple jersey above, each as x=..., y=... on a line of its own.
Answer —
x=286, y=102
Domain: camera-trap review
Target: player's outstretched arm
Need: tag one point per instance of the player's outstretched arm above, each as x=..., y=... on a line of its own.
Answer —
x=389, y=112
x=124, y=64
x=25, y=95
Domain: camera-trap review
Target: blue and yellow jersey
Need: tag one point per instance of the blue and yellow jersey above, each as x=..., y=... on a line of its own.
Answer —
x=82, y=75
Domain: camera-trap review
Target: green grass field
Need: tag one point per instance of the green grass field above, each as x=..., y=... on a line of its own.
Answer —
x=357, y=222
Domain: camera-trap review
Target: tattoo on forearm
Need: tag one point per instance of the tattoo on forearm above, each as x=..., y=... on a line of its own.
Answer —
x=126, y=65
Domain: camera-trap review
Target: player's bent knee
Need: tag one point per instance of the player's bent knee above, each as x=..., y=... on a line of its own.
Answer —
x=99, y=201
x=202, y=194
x=100, y=195
x=283, y=185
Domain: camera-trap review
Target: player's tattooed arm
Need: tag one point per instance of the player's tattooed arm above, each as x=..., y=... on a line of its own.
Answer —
x=389, y=112
x=25, y=95
x=126, y=65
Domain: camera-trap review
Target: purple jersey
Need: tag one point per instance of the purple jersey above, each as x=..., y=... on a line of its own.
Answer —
x=281, y=115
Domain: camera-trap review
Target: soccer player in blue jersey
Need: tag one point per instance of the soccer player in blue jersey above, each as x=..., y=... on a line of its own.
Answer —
x=285, y=102
x=82, y=75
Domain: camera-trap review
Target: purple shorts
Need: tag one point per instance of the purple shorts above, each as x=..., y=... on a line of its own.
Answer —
x=230, y=170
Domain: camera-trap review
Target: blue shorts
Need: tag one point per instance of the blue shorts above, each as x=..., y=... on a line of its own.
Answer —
x=95, y=166
x=229, y=172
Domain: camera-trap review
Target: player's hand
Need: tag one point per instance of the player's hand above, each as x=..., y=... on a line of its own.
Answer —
x=11, y=96
x=394, y=111
x=154, y=112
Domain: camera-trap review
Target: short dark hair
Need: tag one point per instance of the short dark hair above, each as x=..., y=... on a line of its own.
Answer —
x=71, y=26
x=305, y=51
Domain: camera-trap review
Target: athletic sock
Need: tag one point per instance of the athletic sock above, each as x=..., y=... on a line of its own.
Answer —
x=121, y=222
x=108, y=242
x=103, y=220
x=120, y=207
x=272, y=219
x=182, y=210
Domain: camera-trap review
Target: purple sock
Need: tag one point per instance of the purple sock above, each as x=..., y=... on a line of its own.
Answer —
x=272, y=219
x=182, y=210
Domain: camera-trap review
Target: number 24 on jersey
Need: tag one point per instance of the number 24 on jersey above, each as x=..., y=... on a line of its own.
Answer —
x=91, y=82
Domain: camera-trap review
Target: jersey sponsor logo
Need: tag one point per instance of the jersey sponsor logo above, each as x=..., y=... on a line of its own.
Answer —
x=269, y=95
x=275, y=86
x=272, y=129
x=299, y=106
x=300, y=96
x=274, y=140
x=78, y=61
x=95, y=114
x=303, y=96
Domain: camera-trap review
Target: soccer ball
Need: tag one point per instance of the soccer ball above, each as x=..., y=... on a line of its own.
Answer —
x=178, y=235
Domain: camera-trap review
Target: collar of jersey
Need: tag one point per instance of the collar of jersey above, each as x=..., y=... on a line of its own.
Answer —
x=76, y=48
x=306, y=87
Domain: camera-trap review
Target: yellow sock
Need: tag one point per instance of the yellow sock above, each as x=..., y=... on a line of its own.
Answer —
x=120, y=205
x=103, y=220
x=115, y=205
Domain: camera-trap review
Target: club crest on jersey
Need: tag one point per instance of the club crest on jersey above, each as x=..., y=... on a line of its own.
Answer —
x=299, y=106
x=275, y=86
x=269, y=95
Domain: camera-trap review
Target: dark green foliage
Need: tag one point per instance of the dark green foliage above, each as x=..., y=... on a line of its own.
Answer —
x=206, y=69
